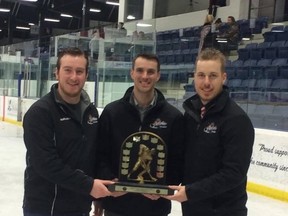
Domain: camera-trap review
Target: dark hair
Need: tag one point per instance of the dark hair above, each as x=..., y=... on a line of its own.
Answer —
x=212, y=54
x=72, y=51
x=232, y=18
x=146, y=56
x=218, y=21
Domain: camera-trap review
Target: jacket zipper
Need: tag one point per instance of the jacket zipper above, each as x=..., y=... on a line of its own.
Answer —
x=54, y=200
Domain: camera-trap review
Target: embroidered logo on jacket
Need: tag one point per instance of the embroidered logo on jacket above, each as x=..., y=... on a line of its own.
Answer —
x=92, y=120
x=211, y=128
x=65, y=119
x=158, y=124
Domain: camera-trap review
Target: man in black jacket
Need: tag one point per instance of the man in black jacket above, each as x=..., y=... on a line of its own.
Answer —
x=60, y=134
x=142, y=109
x=218, y=145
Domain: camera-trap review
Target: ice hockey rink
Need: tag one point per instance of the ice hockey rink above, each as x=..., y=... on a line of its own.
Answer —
x=12, y=155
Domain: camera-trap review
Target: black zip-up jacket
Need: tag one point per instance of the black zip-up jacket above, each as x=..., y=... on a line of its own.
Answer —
x=218, y=149
x=60, y=156
x=120, y=119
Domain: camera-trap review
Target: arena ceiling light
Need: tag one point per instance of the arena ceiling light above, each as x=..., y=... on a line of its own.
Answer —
x=51, y=20
x=130, y=17
x=4, y=10
x=143, y=25
x=66, y=15
x=22, y=28
x=113, y=3
x=30, y=0
x=94, y=10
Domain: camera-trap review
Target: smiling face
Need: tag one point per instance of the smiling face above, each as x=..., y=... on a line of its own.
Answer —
x=209, y=79
x=71, y=77
x=145, y=75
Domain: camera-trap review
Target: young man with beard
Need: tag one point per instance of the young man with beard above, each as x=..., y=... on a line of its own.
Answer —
x=60, y=134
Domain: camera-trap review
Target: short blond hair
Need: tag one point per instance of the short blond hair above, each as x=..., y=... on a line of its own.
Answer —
x=212, y=54
x=209, y=18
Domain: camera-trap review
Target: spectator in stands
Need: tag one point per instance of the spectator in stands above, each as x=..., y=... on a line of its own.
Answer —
x=120, y=26
x=231, y=35
x=214, y=4
x=121, y=29
x=218, y=145
x=207, y=38
x=217, y=25
x=94, y=43
x=60, y=134
x=141, y=35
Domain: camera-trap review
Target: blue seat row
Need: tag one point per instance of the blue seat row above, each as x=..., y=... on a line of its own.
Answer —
x=267, y=50
x=187, y=56
x=258, y=72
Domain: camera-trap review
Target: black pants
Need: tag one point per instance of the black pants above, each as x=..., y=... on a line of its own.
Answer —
x=108, y=213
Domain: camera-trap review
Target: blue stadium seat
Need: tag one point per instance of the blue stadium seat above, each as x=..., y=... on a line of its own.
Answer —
x=162, y=58
x=174, y=34
x=167, y=45
x=237, y=63
x=278, y=43
x=160, y=46
x=228, y=62
x=283, y=51
x=279, y=85
x=184, y=44
x=243, y=54
x=271, y=72
x=264, y=62
x=234, y=84
x=282, y=36
x=193, y=43
x=264, y=45
x=256, y=53
x=188, y=57
x=179, y=57
x=251, y=45
x=166, y=35
x=277, y=28
x=159, y=36
x=270, y=53
x=197, y=30
x=269, y=36
x=283, y=71
x=256, y=71
x=250, y=62
x=263, y=84
x=170, y=58
x=244, y=29
x=242, y=73
x=176, y=45
x=279, y=62
x=248, y=84
x=257, y=28
x=188, y=32
x=231, y=72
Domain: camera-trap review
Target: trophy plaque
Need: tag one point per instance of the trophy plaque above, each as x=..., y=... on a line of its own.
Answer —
x=143, y=165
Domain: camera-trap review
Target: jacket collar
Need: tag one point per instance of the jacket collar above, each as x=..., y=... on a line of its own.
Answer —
x=193, y=104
